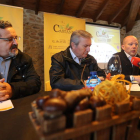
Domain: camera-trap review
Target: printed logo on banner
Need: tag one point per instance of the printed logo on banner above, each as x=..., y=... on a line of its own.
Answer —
x=103, y=36
x=63, y=28
x=102, y=33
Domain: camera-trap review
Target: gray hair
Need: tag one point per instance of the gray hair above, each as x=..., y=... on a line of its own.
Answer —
x=75, y=37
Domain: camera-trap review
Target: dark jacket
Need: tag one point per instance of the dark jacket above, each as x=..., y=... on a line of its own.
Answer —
x=127, y=68
x=22, y=76
x=66, y=74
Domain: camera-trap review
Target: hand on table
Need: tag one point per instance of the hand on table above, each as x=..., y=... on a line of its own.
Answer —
x=137, y=78
x=5, y=90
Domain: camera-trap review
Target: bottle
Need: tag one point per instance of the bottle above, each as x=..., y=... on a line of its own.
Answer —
x=93, y=80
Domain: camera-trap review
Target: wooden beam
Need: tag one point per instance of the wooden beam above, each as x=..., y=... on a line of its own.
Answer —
x=59, y=11
x=11, y=2
x=37, y=6
x=81, y=8
x=119, y=11
x=138, y=15
x=101, y=9
x=124, y=22
x=132, y=14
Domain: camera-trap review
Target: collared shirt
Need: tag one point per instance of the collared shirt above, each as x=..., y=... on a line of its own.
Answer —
x=4, y=67
x=130, y=57
x=75, y=58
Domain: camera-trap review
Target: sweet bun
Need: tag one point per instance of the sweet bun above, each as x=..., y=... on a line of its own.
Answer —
x=57, y=93
x=84, y=93
x=83, y=105
x=40, y=101
x=72, y=98
x=54, y=107
x=96, y=101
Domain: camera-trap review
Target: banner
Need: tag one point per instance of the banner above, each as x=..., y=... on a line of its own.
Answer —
x=57, y=32
x=105, y=42
x=15, y=16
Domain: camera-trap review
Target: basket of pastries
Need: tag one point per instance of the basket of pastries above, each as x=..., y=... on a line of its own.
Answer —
x=108, y=112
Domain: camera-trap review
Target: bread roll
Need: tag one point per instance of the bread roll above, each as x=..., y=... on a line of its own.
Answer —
x=57, y=93
x=54, y=107
x=96, y=101
x=40, y=101
x=72, y=98
x=83, y=105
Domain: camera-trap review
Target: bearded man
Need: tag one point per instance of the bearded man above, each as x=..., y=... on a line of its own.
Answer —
x=18, y=77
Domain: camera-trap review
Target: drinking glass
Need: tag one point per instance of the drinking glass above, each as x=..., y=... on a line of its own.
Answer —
x=114, y=65
x=106, y=60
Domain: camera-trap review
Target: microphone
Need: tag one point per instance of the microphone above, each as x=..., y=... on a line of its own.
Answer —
x=135, y=61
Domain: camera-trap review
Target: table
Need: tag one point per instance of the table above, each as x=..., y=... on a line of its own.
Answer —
x=135, y=93
x=15, y=124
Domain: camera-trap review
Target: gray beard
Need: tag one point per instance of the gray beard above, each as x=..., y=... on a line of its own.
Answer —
x=13, y=54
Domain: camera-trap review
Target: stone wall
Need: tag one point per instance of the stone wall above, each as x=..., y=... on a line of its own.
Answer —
x=33, y=41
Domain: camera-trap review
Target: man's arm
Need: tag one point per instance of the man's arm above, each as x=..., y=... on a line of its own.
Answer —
x=130, y=77
x=28, y=84
x=58, y=80
x=24, y=86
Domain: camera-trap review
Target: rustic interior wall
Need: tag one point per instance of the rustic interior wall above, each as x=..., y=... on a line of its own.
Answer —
x=33, y=41
x=136, y=32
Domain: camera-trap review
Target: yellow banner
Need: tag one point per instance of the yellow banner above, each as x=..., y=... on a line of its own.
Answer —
x=105, y=42
x=15, y=16
x=57, y=32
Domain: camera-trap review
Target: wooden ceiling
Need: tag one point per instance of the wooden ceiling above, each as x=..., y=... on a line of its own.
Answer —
x=124, y=12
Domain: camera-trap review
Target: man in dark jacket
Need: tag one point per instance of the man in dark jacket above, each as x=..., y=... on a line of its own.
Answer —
x=71, y=67
x=18, y=77
x=129, y=50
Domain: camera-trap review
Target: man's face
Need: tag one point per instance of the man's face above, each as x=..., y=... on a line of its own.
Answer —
x=130, y=45
x=82, y=49
x=8, y=48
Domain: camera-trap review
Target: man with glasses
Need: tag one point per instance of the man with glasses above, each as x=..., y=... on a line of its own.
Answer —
x=71, y=67
x=18, y=77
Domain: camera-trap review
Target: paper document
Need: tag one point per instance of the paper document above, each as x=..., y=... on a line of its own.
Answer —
x=6, y=105
x=134, y=87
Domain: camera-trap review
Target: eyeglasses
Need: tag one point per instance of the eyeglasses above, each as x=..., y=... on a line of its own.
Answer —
x=10, y=39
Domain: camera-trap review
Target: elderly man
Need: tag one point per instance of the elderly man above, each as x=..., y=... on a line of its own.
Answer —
x=129, y=50
x=71, y=67
x=18, y=77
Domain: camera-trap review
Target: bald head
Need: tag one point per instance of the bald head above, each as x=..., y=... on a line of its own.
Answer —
x=130, y=45
x=128, y=38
